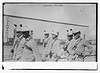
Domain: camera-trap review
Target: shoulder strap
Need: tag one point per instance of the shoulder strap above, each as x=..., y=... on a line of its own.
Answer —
x=53, y=43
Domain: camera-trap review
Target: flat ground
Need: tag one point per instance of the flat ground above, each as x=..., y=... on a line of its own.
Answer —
x=8, y=56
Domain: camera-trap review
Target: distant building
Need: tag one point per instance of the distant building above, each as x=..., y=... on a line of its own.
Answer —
x=39, y=25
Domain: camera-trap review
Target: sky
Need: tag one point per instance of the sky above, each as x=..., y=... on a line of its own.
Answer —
x=82, y=14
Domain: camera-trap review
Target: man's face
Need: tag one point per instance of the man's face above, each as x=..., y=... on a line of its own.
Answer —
x=26, y=34
x=76, y=36
x=70, y=37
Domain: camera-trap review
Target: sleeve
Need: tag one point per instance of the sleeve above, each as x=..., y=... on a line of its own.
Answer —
x=56, y=49
x=15, y=42
x=87, y=44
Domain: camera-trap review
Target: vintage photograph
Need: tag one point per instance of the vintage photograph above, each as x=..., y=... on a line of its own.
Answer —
x=49, y=32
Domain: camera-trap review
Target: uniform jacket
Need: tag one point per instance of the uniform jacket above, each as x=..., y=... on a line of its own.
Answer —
x=31, y=51
x=81, y=45
x=54, y=46
x=18, y=46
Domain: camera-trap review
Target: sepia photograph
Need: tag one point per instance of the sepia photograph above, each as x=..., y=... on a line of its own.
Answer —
x=49, y=32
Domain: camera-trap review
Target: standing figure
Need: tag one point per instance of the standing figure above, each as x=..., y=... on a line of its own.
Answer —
x=18, y=48
x=80, y=46
x=69, y=45
x=18, y=42
x=30, y=49
x=46, y=38
x=53, y=47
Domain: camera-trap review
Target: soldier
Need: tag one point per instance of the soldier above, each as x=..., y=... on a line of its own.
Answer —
x=18, y=39
x=30, y=49
x=53, y=47
x=69, y=45
x=69, y=39
x=47, y=49
x=80, y=46
x=46, y=38
x=19, y=44
x=16, y=35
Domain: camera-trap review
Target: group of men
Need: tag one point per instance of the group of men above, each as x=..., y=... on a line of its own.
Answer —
x=25, y=48
x=75, y=48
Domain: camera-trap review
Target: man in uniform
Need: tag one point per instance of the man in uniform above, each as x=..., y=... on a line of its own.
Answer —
x=69, y=45
x=30, y=50
x=69, y=39
x=80, y=46
x=16, y=36
x=46, y=38
x=53, y=47
x=18, y=42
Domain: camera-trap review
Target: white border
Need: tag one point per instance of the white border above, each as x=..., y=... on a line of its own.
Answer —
x=50, y=65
